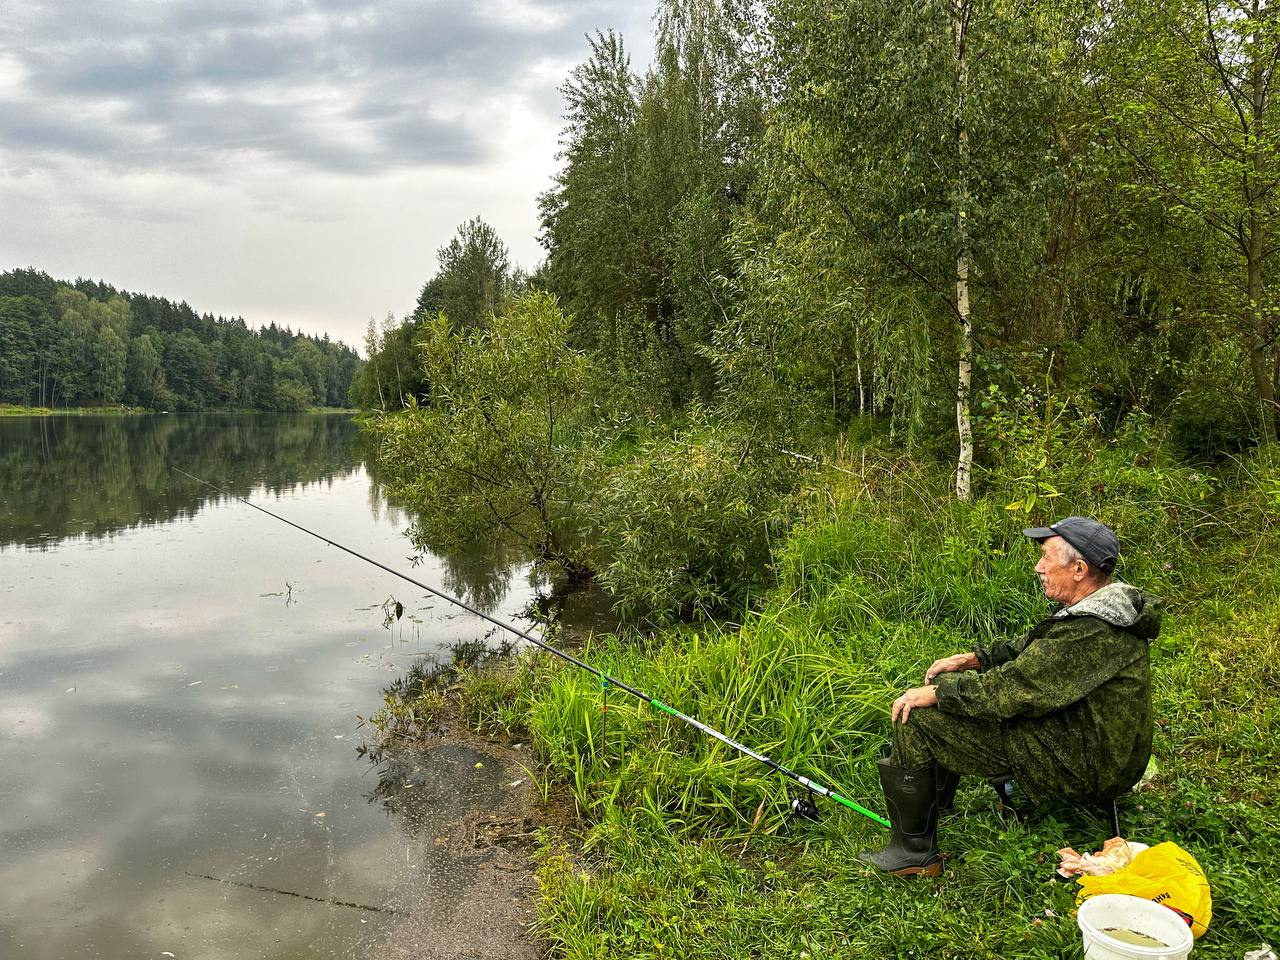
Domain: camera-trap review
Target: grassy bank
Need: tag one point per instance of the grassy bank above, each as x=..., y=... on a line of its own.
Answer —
x=15, y=410
x=683, y=849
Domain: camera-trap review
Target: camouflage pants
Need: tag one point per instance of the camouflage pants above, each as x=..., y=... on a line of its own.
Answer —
x=959, y=744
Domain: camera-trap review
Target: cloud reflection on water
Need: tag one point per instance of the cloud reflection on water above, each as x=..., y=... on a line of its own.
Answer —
x=200, y=731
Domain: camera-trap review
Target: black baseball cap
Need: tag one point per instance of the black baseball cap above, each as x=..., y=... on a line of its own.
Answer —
x=1095, y=541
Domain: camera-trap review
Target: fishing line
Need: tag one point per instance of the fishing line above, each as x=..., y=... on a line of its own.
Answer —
x=799, y=806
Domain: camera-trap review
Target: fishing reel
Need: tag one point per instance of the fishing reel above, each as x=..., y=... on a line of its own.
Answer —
x=803, y=808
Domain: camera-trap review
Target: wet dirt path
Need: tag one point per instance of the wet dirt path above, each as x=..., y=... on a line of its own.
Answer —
x=469, y=814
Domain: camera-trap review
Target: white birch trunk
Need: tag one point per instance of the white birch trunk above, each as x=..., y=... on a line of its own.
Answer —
x=862, y=396
x=964, y=424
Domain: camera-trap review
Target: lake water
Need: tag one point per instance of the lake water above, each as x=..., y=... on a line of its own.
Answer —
x=180, y=679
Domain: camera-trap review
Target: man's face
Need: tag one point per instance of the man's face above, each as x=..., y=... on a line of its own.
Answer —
x=1060, y=581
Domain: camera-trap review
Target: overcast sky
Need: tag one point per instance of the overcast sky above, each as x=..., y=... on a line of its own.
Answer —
x=295, y=161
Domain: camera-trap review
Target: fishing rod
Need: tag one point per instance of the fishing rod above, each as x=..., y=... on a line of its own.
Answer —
x=798, y=806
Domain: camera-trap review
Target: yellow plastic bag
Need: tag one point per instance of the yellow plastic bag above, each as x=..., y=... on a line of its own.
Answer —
x=1166, y=874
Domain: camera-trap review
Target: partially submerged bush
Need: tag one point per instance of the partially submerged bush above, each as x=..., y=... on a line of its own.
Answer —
x=526, y=440
x=498, y=452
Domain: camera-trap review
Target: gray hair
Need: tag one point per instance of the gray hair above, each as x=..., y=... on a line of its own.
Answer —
x=1067, y=555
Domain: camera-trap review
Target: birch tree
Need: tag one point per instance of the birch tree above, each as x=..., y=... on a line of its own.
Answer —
x=924, y=127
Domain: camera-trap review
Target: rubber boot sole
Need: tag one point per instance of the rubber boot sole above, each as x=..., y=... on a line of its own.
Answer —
x=932, y=870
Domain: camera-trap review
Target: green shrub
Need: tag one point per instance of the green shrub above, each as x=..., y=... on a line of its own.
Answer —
x=686, y=526
x=500, y=449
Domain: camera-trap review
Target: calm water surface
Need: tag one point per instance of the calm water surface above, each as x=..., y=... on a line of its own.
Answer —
x=179, y=683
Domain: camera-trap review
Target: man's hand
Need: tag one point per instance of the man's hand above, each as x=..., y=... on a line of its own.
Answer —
x=915, y=697
x=957, y=663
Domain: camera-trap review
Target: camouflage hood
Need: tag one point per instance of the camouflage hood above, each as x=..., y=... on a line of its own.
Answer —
x=1121, y=606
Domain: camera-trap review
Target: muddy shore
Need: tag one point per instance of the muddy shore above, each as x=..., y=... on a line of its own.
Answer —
x=470, y=814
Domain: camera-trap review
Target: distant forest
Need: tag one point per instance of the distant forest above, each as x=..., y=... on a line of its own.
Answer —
x=88, y=344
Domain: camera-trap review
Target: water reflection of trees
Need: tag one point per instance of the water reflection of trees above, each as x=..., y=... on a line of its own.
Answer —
x=91, y=476
x=481, y=576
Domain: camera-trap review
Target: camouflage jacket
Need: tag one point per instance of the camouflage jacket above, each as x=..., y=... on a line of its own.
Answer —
x=1072, y=698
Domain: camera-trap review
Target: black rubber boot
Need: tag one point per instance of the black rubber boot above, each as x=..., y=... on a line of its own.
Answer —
x=1008, y=806
x=947, y=784
x=912, y=799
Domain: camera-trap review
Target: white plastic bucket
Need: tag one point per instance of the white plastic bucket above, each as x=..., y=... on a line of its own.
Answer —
x=1131, y=913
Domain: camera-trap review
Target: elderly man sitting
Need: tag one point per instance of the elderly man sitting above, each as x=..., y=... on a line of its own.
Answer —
x=1066, y=710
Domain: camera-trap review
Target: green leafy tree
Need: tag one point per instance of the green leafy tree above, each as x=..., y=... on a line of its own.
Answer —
x=110, y=358
x=310, y=362
x=498, y=449
x=594, y=251
x=190, y=371
x=77, y=334
x=292, y=393
x=654, y=167
x=1188, y=90
x=144, y=376
x=926, y=131
x=391, y=375
x=804, y=346
x=473, y=278
x=29, y=283
x=20, y=318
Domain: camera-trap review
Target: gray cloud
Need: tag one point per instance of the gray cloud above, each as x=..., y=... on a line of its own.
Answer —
x=289, y=161
x=335, y=86
x=40, y=131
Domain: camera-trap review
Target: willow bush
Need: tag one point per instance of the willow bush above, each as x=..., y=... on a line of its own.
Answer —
x=686, y=525
x=500, y=448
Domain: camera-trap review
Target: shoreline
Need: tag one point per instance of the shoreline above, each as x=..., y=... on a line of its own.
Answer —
x=15, y=410
x=480, y=839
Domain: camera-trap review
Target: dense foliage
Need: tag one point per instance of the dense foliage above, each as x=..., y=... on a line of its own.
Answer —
x=846, y=295
x=88, y=344
x=808, y=224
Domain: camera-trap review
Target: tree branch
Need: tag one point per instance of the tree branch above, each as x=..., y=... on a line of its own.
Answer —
x=898, y=261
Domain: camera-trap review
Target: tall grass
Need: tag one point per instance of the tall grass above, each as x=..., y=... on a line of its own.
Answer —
x=887, y=574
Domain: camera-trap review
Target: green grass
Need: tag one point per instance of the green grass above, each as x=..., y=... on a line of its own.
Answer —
x=669, y=859
x=15, y=410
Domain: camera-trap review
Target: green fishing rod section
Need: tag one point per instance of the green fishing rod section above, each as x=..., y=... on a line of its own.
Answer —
x=606, y=681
